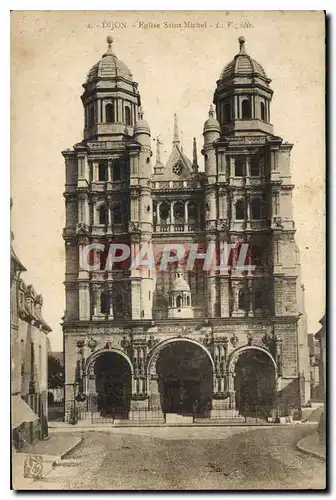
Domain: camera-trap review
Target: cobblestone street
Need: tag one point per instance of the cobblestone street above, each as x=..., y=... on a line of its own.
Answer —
x=189, y=458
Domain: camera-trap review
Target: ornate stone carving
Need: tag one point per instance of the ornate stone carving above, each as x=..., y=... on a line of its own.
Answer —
x=222, y=224
x=234, y=340
x=277, y=223
x=92, y=344
x=80, y=346
x=82, y=228
x=207, y=340
x=125, y=343
x=108, y=345
x=151, y=342
x=249, y=338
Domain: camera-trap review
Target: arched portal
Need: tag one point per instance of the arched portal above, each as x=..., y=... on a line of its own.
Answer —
x=185, y=378
x=113, y=384
x=255, y=381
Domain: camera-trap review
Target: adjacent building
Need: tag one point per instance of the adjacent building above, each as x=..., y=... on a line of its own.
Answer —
x=320, y=336
x=142, y=342
x=29, y=374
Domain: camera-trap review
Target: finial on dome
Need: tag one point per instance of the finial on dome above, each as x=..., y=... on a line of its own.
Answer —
x=241, y=41
x=109, y=40
x=212, y=111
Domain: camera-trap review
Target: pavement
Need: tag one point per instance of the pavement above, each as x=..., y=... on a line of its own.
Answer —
x=55, y=427
x=44, y=454
x=314, y=445
x=187, y=458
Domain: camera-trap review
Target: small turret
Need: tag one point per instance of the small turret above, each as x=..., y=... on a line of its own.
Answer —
x=180, y=297
x=211, y=130
x=142, y=130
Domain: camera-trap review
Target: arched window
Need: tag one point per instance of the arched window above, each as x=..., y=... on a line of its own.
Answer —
x=179, y=301
x=256, y=208
x=246, y=109
x=109, y=113
x=262, y=111
x=188, y=300
x=239, y=166
x=102, y=171
x=227, y=112
x=240, y=209
x=164, y=212
x=102, y=214
x=179, y=211
x=117, y=215
x=255, y=166
x=104, y=303
x=128, y=115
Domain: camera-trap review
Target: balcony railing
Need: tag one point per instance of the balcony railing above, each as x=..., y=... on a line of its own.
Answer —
x=185, y=184
x=175, y=228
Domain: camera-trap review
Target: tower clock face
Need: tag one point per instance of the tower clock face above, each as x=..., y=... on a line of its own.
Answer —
x=177, y=169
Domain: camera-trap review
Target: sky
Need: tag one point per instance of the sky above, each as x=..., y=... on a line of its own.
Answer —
x=176, y=68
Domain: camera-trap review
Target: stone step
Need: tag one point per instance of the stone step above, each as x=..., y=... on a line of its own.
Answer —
x=175, y=418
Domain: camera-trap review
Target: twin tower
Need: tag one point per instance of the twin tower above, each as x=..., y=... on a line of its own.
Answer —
x=117, y=193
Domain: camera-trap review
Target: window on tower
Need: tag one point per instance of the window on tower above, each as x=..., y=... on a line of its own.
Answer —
x=262, y=111
x=257, y=255
x=179, y=301
x=258, y=300
x=164, y=212
x=90, y=113
x=116, y=172
x=240, y=209
x=179, y=211
x=109, y=113
x=104, y=303
x=256, y=208
x=192, y=211
x=227, y=112
x=128, y=115
x=117, y=214
x=239, y=166
x=243, y=300
x=102, y=214
x=246, y=109
x=102, y=171
x=255, y=166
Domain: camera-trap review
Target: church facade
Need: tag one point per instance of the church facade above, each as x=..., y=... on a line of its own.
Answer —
x=175, y=340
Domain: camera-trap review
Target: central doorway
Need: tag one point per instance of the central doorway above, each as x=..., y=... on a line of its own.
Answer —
x=113, y=385
x=185, y=379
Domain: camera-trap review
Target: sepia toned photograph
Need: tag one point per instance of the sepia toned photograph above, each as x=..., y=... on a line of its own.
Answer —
x=168, y=317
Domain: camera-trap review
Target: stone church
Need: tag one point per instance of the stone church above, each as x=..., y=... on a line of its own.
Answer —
x=142, y=343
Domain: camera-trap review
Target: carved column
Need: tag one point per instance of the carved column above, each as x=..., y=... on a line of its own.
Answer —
x=96, y=290
x=110, y=297
x=158, y=220
x=172, y=219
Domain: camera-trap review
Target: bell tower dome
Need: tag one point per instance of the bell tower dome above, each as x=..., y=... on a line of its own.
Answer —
x=243, y=96
x=111, y=99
